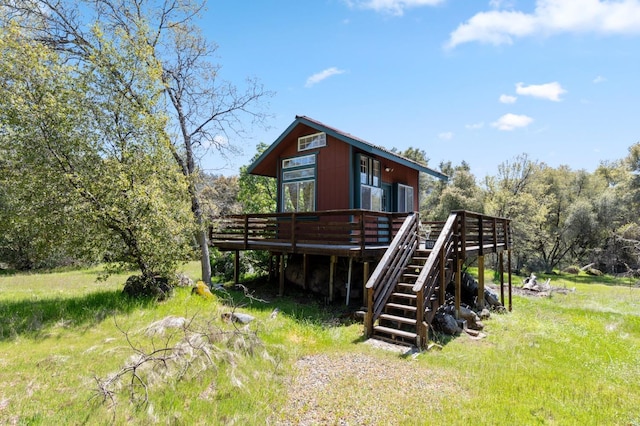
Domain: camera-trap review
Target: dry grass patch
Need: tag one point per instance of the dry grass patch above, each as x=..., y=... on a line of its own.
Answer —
x=360, y=388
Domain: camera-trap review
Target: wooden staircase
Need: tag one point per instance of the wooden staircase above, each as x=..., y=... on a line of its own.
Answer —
x=408, y=284
x=397, y=323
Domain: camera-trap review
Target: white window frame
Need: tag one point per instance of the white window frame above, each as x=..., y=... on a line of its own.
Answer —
x=298, y=179
x=405, y=198
x=316, y=140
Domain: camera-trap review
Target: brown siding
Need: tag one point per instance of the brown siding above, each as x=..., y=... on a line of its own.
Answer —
x=333, y=175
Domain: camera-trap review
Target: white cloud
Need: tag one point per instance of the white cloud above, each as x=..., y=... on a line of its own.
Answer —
x=550, y=17
x=599, y=79
x=551, y=91
x=445, y=136
x=512, y=121
x=393, y=7
x=500, y=4
x=322, y=75
x=474, y=126
x=507, y=99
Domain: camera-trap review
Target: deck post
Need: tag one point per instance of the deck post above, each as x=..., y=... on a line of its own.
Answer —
x=281, y=275
x=368, y=319
x=509, y=274
x=236, y=267
x=501, y=269
x=458, y=287
x=365, y=278
x=349, y=281
x=480, y=282
x=332, y=273
x=443, y=277
x=305, y=270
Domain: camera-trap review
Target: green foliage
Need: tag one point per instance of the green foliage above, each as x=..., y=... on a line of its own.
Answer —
x=258, y=194
x=97, y=161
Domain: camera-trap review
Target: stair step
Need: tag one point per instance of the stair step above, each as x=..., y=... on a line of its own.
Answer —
x=395, y=332
x=401, y=307
x=410, y=296
x=396, y=318
x=405, y=286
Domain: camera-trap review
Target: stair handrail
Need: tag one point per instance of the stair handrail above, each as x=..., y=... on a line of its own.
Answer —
x=383, y=279
x=452, y=242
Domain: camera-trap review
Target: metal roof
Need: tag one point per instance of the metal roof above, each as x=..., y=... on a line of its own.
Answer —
x=351, y=140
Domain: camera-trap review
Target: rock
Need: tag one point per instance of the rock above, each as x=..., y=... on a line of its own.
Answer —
x=491, y=298
x=237, y=317
x=447, y=324
x=183, y=280
x=156, y=287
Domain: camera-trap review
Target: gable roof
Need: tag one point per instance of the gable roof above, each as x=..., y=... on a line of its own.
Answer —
x=351, y=140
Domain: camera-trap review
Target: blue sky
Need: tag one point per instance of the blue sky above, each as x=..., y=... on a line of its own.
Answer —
x=475, y=80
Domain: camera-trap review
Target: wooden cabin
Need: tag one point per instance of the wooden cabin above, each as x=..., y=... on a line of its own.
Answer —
x=320, y=168
x=346, y=205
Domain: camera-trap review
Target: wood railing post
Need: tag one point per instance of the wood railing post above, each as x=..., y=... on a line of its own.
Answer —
x=368, y=320
x=420, y=319
x=480, y=236
x=458, y=287
x=293, y=232
x=246, y=231
x=443, y=277
x=362, y=229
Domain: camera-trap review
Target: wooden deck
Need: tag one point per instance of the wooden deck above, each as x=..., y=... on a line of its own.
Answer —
x=359, y=234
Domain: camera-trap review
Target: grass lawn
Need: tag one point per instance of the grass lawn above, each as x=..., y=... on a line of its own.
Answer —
x=566, y=359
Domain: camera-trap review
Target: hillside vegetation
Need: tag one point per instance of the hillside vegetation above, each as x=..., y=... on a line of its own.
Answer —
x=567, y=359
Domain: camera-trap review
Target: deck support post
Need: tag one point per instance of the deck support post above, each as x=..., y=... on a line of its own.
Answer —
x=365, y=278
x=236, y=267
x=332, y=273
x=305, y=270
x=501, y=271
x=281, y=275
x=458, y=287
x=349, y=281
x=480, y=301
x=509, y=274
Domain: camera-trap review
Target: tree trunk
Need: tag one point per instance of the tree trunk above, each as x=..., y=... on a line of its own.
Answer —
x=205, y=262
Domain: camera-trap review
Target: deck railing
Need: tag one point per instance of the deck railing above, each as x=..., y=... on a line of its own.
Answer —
x=348, y=228
x=462, y=232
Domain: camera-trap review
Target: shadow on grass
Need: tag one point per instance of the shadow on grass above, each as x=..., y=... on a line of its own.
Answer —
x=31, y=317
x=301, y=305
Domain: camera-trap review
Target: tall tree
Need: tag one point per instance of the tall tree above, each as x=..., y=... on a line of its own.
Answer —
x=204, y=112
x=103, y=157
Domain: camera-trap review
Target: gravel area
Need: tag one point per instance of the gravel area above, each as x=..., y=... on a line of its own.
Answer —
x=359, y=389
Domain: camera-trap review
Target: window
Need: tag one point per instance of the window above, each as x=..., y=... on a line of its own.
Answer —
x=316, y=140
x=299, y=184
x=405, y=198
x=369, y=171
x=371, y=195
x=371, y=198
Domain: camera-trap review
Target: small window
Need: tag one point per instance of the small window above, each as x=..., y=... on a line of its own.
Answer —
x=316, y=140
x=305, y=160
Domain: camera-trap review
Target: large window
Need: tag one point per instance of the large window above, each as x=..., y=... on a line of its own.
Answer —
x=299, y=184
x=405, y=198
x=370, y=191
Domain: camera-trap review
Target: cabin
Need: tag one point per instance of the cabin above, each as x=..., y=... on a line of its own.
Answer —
x=347, y=226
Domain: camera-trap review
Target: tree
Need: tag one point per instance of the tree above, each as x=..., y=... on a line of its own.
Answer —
x=98, y=158
x=460, y=192
x=258, y=194
x=204, y=112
